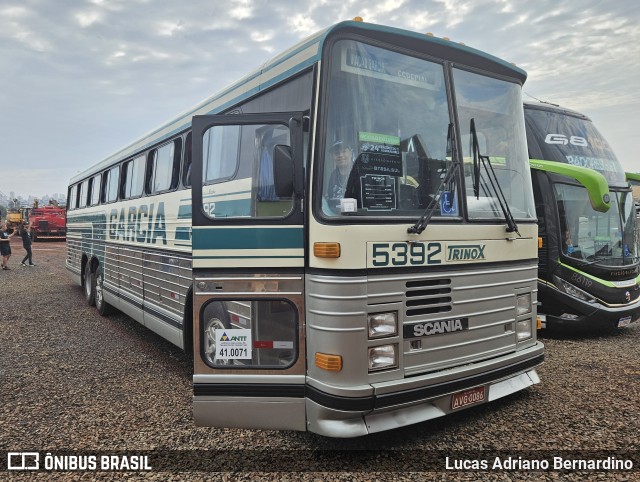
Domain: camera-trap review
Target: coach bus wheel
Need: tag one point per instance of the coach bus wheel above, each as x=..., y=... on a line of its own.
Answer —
x=102, y=306
x=214, y=319
x=89, y=285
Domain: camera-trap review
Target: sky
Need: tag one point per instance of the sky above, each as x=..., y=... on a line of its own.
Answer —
x=80, y=79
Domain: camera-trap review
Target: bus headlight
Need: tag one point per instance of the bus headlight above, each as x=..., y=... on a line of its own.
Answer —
x=524, y=329
x=523, y=304
x=571, y=290
x=382, y=357
x=382, y=324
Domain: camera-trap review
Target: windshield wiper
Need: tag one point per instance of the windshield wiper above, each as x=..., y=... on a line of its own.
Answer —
x=449, y=177
x=493, y=180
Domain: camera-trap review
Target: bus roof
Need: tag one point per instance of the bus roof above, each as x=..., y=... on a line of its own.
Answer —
x=289, y=63
x=555, y=108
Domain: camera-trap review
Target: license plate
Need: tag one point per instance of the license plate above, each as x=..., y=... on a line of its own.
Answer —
x=468, y=397
x=624, y=321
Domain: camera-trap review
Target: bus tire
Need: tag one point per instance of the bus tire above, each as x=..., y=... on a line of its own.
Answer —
x=102, y=306
x=89, y=285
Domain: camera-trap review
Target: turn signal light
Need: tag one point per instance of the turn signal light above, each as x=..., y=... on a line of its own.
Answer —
x=326, y=250
x=331, y=363
x=539, y=242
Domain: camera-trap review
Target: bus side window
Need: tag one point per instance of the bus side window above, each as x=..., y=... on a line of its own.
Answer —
x=238, y=171
x=73, y=197
x=165, y=166
x=103, y=187
x=186, y=162
x=133, y=178
x=95, y=190
x=267, y=203
x=82, y=200
x=110, y=185
x=271, y=326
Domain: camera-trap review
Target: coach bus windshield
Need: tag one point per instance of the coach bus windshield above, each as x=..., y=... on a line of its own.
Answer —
x=588, y=235
x=576, y=141
x=389, y=137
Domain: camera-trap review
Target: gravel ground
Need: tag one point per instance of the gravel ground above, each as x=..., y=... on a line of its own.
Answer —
x=73, y=382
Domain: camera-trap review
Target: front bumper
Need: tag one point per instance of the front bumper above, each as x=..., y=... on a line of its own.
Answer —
x=583, y=315
x=417, y=399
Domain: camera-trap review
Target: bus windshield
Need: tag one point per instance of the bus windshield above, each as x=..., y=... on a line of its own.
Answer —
x=492, y=107
x=574, y=140
x=588, y=235
x=389, y=144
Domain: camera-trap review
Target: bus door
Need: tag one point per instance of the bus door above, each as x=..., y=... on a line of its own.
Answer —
x=248, y=268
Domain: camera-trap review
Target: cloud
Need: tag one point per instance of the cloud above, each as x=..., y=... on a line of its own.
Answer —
x=82, y=78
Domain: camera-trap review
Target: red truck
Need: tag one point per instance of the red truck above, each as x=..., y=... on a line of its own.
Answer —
x=48, y=222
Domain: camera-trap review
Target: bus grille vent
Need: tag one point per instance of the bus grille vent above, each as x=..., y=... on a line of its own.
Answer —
x=425, y=297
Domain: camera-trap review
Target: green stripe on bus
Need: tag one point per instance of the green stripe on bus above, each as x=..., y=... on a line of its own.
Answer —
x=597, y=280
x=248, y=238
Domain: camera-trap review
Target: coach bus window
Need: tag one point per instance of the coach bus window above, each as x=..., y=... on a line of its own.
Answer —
x=95, y=190
x=82, y=201
x=268, y=204
x=111, y=184
x=73, y=196
x=134, y=177
x=240, y=163
x=267, y=330
x=220, y=151
x=104, y=186
x=165, y=164
x=186, y=163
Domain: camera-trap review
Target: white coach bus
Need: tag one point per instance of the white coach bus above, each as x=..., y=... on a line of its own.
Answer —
x=345, y=238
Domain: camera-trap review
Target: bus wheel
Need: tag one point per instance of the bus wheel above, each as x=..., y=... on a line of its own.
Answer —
x=89, y=285
x=215, y=318
x=102, y=306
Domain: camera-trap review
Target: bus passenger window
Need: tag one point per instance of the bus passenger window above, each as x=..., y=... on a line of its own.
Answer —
x=110, y=184
x=133, y=178
x=73, y=197
x=95, y=190
x=82, y=200
x=186, y=164
x=165, y=165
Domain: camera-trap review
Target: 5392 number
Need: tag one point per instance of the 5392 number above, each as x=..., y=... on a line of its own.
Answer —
x=405, y=254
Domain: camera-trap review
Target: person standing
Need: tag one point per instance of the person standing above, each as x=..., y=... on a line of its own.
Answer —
x=5, y=245
x=25, y=234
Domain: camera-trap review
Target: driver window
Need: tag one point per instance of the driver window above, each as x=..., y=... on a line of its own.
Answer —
x=239, y=171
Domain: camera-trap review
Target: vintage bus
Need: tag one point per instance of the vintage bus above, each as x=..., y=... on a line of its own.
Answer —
x=588, y=271
x=312, y=234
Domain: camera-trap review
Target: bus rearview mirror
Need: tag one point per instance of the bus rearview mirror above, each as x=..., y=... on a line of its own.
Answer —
x=283, y=170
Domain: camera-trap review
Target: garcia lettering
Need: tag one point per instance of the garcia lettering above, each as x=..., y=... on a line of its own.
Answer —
x=142, y=224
